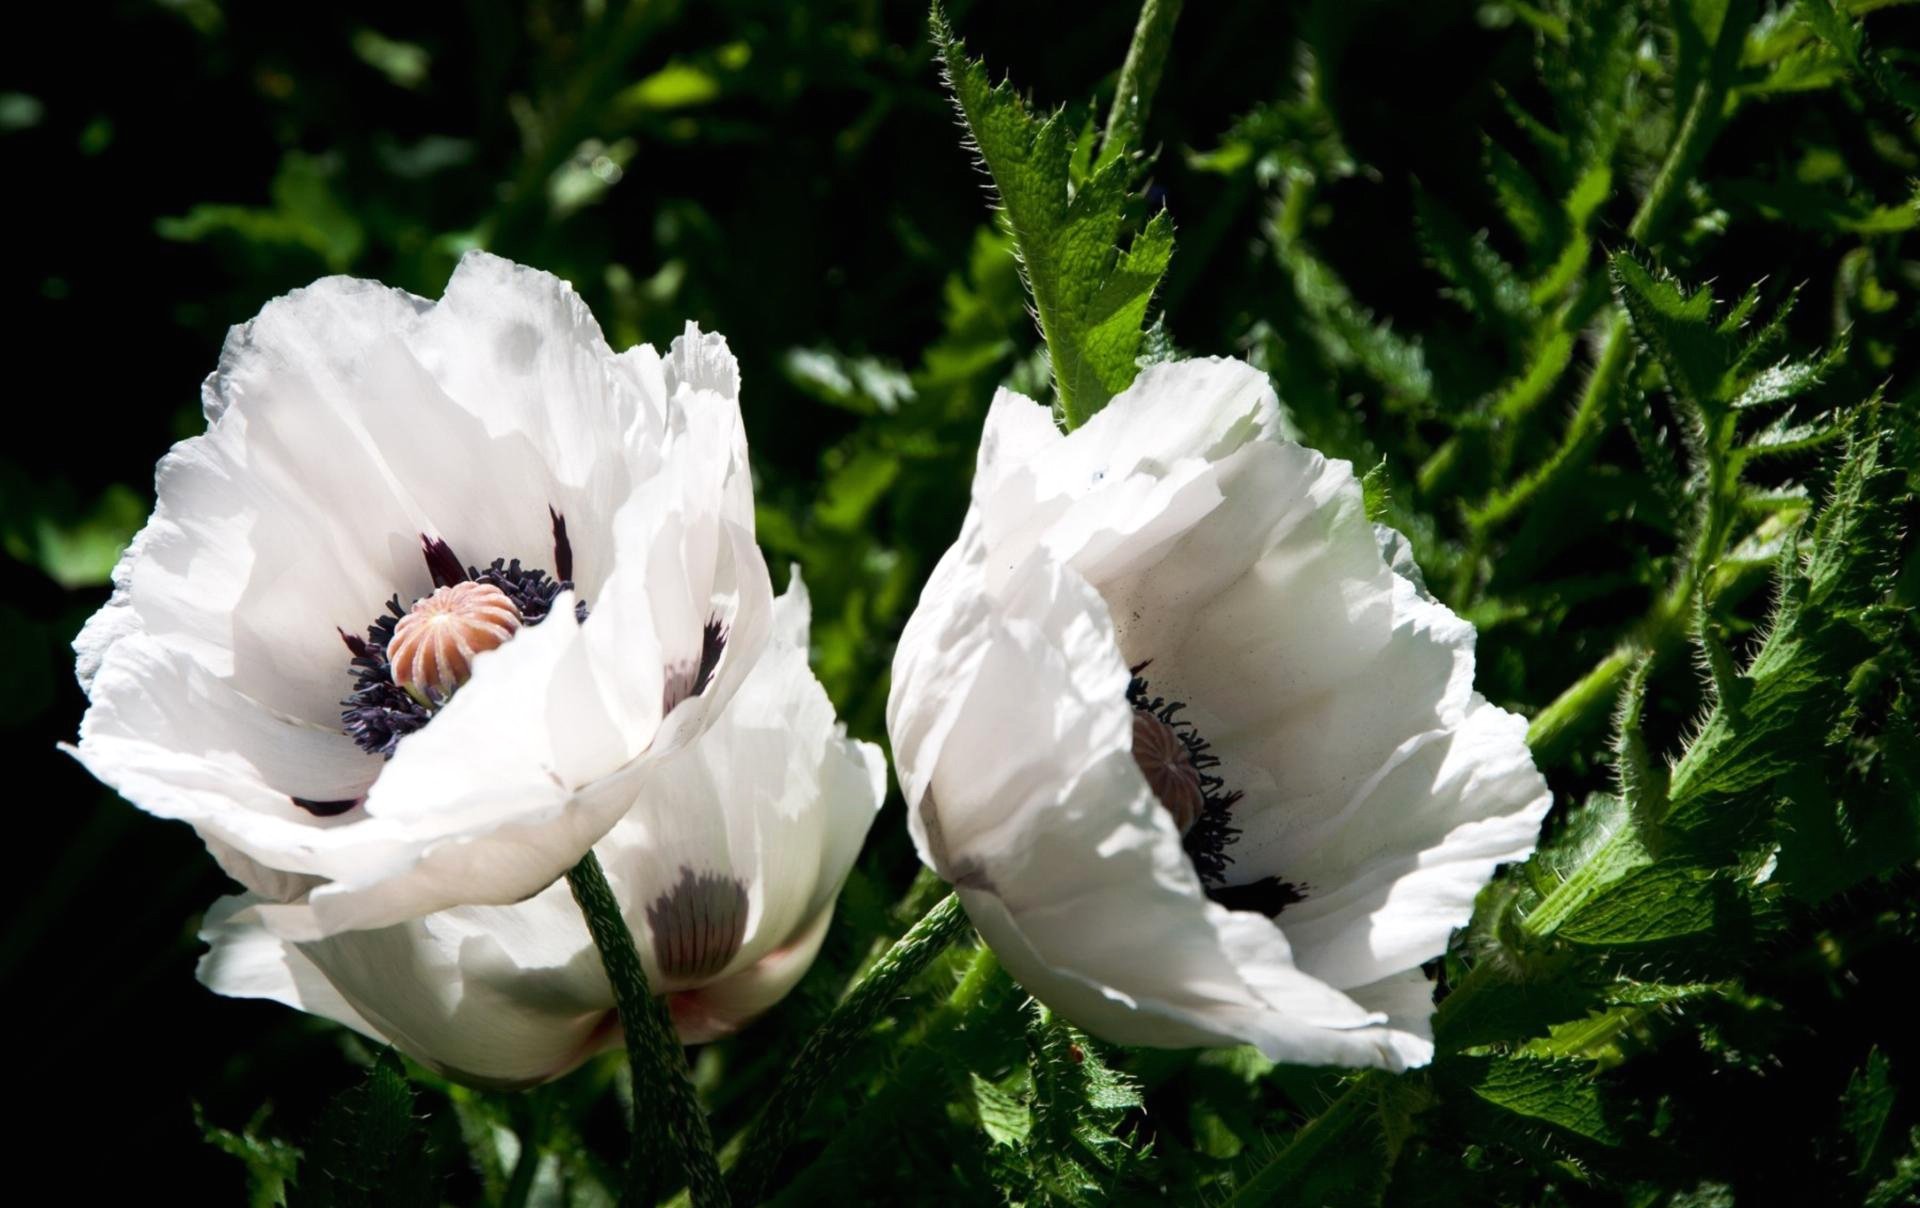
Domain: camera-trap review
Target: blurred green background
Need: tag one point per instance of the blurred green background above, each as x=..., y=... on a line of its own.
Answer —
x=791, y=175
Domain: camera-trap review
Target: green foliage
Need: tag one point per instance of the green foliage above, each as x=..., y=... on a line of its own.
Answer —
x=1071, y=1154
x=1091, y=296
x=1477, y=248
x=368, y=1149
x=270, y=1162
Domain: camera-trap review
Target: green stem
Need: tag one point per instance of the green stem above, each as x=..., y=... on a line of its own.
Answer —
x=1583, y=432
x=663, y=1097
x=845, y=1028
x=527, y=1129
x=933, y=1046
x=1706, y=114
x=1277, y=1182
x=1139, y=77
x=1704, y=119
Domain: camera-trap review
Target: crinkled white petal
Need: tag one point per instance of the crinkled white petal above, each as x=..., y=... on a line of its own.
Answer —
x=1075, y=875
x=346, y=422
x=1173, y=533
x=798, y=796
x=493, y=996
x=773, y=798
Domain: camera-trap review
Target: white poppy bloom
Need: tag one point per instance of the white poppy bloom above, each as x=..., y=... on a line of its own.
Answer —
x=439, y=581
x=1203, y=765
x=726, y=867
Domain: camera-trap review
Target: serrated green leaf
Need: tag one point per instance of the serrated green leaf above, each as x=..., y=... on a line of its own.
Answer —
x=1558, y=1092
x=1091, y=295
x=1653, y=904
x=1865, y=1108
x=1003, y=1118
x=368, y=1148
x=1677, y=328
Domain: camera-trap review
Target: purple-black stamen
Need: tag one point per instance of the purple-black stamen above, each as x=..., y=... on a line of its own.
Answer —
x=442, y=565
x=326, y=809
x=562, y=548
x=378, y=713
x=1213, y=831
x=1268, y=895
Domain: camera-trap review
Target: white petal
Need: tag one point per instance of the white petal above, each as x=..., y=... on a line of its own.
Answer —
x=1073, y=871
x=1441, y=821
x=519, y=350
x=346, y=422
x=165, y=732
x=773, y=799
x=490, y=802
x=492, y=996
x=245, y=960
x=1241, y=574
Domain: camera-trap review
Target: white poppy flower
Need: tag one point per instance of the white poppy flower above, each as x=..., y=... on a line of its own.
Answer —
x=727, y=867
x=1204, y=768
x=438, y=581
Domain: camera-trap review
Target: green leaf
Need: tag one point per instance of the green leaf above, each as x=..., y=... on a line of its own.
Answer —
x=1376, y=492
x=368, y=1149
x=1073, y=1151
x=1003, y=1118
x=1091, y=295
x=270, y=1162
x=1848, y=38
x=1676, y=327
x=1659, y=902
x=1557, y=1092
x=1865, y=1109
x=81, y=551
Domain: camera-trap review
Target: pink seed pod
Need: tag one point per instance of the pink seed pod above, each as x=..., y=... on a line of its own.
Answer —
x=434, y=645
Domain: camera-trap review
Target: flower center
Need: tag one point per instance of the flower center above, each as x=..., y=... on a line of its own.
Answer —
x=434, y=645
x=1178, y=766
x=415, y=657
x=1168, y=766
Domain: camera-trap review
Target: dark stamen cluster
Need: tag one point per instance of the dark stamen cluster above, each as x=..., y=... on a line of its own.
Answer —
x=379, y=713
x=1213, y=832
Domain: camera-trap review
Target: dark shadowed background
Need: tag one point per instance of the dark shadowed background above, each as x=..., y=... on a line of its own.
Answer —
x=789, y=175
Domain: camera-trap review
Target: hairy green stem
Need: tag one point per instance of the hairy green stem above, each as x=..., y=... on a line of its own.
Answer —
x=1706, y=114
x=1331, y=1130
x=663, y=1097
x=845, y=1028
x=1139, y=76
x=1583, y=432
x=930, y=1047
x=1704, y=118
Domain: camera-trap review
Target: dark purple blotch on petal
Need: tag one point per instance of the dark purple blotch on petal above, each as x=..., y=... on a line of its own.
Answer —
x=698, y=925
x=689, y=678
